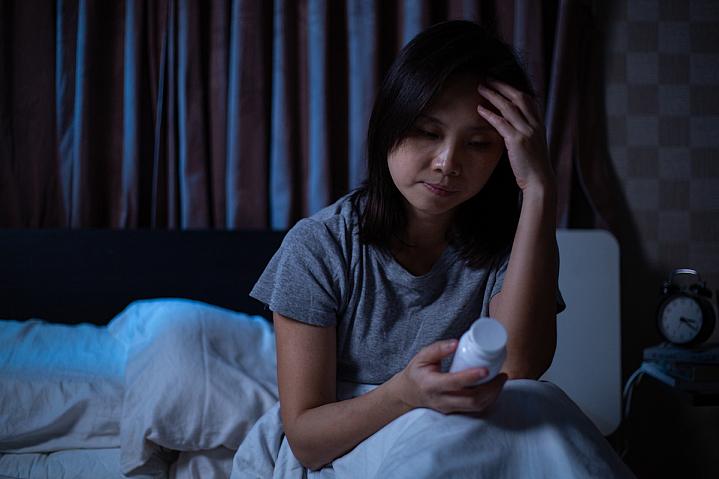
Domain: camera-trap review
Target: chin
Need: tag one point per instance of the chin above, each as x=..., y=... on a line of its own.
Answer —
x=433, y=207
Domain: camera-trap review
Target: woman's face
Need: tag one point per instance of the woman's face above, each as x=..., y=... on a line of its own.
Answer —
x=450, y=152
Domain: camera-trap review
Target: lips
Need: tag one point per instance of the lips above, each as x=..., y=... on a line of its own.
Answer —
x=438, y=189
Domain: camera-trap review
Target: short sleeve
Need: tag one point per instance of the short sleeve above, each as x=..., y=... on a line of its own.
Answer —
x=499, y=282
x=501, y=269
x=305, y=278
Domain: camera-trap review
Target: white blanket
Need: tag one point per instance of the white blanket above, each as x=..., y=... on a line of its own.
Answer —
x=533, y=430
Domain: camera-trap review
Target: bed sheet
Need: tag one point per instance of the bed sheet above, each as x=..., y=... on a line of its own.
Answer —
x=76, y=464
x=105, y=464
x=61, y=386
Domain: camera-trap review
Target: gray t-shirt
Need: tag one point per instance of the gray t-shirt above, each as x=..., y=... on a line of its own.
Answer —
x=322, y=275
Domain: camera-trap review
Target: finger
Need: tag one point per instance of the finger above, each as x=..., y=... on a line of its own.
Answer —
x=509, y=110
x=479, y=398
x=461, y=379
x=497, y=380
x=452, y=403
x=495, y=386
x=468, y=400
x=527, y=104
x=498, y=122
x=494, y=389
x=435, y=352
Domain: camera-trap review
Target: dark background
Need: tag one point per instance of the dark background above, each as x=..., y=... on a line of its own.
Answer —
x=662, y=115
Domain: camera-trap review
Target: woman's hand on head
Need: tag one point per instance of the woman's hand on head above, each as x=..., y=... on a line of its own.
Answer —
x=520, y=124
x=422, y=384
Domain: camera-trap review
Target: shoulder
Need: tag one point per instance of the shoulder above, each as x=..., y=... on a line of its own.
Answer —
x=337, y=221
x=332, y=230
x=342, y=214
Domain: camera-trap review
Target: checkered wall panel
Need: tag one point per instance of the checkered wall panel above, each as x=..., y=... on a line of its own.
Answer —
x=662, y=102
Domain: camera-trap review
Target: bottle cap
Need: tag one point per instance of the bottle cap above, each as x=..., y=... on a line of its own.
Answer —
x=489, y=335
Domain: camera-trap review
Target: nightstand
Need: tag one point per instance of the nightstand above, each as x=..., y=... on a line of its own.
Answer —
x=671, y=426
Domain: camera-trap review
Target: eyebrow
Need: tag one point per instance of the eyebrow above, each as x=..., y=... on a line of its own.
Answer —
x=476, y=126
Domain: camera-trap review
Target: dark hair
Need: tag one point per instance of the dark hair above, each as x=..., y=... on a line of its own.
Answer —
x=486, y=223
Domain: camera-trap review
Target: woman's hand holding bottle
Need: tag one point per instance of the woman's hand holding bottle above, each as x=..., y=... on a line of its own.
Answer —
x=422, y=384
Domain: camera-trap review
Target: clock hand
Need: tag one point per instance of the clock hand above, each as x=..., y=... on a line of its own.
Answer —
x=689, y=321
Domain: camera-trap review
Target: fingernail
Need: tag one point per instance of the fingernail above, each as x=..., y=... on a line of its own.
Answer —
x=450, y=345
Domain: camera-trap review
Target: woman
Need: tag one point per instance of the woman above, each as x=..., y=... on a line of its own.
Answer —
x=369, y=295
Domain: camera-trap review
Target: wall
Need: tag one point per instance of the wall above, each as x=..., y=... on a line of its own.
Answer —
x=663, y=115
x=662, y=104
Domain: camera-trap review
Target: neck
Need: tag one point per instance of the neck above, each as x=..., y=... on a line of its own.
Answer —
x=425, y=231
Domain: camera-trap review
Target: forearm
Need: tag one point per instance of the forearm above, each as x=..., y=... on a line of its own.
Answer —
x=321, y=434
x=528, y=306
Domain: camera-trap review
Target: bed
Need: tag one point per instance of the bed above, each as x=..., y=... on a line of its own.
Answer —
x=104, y=336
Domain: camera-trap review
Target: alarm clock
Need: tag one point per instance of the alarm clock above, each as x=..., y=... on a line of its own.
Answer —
x=686, y=315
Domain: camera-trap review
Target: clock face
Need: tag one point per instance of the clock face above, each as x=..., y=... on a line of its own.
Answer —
x=681, y=319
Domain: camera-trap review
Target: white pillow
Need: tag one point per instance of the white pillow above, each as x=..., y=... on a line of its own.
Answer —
x=197, y=377
x=61, y=386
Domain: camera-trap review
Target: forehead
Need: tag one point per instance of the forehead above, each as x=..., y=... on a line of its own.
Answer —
x=458, y=96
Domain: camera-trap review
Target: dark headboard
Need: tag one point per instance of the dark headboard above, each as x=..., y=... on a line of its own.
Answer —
x=73, y=276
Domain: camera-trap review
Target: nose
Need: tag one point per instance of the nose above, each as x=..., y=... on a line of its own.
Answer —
x=447, y=162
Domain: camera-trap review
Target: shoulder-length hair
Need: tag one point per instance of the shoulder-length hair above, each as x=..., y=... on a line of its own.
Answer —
x=484, y=225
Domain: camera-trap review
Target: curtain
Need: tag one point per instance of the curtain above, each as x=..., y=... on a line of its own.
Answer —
x=238, y=114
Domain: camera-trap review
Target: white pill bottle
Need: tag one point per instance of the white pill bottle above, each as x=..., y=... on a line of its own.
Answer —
x=483, y=345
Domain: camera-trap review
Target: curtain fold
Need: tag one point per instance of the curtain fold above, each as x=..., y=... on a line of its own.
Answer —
x=128, y=199
x=362, y=78
x=236, y=113
x=192, y=150
x=283, y=137
x=250, y=83
x=561, y=112
x=69, y=68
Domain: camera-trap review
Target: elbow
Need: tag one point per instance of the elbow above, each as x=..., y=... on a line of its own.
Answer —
x=307, y=461
x=525, y=372
x=540, y=368
x=544, y=362
x=303, y=451
x=533, y=365
x=306, y=457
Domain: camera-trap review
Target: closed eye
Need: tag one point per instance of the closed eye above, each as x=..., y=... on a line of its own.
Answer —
x=426, y=134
